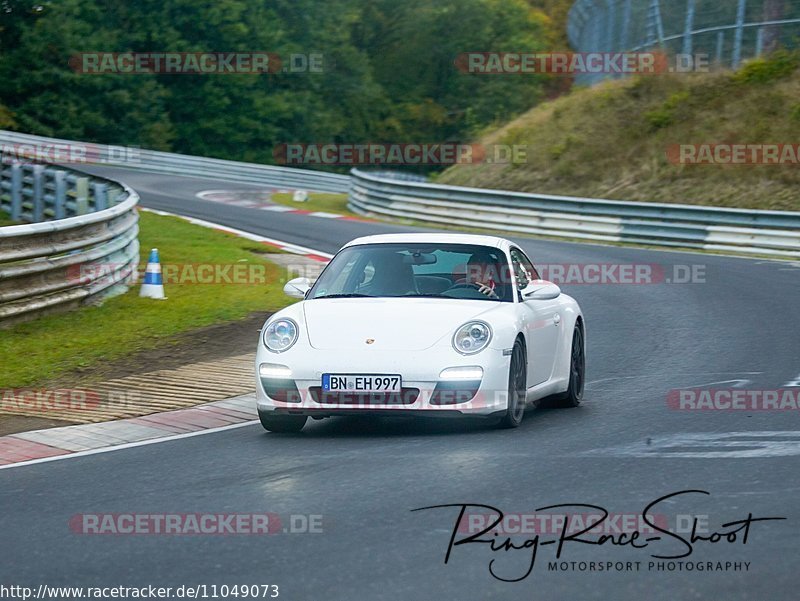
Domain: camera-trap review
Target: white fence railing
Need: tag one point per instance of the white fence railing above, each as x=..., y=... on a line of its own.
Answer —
x=717, y=33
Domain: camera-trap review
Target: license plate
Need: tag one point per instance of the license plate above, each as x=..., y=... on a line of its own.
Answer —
x=361, y=383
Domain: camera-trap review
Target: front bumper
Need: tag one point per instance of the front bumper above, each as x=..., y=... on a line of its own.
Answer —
x=423, y=391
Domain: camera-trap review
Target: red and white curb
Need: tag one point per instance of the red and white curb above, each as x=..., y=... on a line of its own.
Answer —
x=220, y=196
x=38, y=446
x=285, y=246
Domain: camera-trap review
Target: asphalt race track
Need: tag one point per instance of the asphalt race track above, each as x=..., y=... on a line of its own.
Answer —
x=624, y=448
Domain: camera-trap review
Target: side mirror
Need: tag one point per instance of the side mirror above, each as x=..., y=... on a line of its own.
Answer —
x=297, y=288
x=541, y=290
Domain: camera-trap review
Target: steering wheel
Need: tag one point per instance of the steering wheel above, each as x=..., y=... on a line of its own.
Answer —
x=477, y=287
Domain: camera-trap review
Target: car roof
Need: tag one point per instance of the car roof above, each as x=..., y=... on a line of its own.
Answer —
x=428, y=238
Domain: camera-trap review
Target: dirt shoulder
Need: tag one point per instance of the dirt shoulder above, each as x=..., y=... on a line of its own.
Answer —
x=198, y=346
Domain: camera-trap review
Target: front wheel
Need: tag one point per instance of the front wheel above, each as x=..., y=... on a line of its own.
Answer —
x=577, y=372
x=284, y=424
x=517, y=387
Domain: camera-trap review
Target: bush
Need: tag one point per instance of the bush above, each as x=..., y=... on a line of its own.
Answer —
x=778, y=65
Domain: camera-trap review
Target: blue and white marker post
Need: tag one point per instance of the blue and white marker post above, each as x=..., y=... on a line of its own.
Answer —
x=153, y=286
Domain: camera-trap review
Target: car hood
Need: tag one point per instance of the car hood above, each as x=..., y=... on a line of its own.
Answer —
x=407, y=324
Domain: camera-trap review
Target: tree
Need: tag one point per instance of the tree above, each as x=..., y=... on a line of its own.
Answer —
x=389, y=72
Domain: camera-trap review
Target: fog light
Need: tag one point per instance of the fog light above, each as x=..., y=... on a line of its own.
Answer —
x=461, y=373
x=272, y=370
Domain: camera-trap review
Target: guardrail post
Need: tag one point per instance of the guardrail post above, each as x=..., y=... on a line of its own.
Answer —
x=81, y=195
x=60, y=208
x=659, y=22
x=113, y=195
x=720, y=47
x=16, y=191
x=610, y=6
x=655, y=26
x=626, y=26
x=687, y=29
x=597, y=43
x=737, y=41
x=759, y=41
x=650, y=35
x=100, y=198
x=38, y=193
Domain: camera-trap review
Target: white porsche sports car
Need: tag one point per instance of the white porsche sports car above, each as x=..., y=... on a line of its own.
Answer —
x=421, y=324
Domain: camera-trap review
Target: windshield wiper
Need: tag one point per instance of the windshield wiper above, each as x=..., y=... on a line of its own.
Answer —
x=344, y=296
x=421, y=295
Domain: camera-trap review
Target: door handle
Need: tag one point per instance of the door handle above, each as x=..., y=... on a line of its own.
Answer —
x=556, y=319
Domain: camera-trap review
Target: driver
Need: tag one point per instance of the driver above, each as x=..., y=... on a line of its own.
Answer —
x=482, y=273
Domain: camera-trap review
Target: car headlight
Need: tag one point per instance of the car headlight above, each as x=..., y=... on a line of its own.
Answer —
x=280, y=335
x=472, y=337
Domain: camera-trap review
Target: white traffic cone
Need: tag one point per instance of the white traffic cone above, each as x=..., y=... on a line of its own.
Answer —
x=153, y=286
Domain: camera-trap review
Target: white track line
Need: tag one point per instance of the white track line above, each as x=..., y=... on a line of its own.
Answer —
x=278, y=209
x=287, y=246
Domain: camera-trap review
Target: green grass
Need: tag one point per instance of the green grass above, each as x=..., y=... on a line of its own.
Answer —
x=5, y=219
x=317, y=201
x=611, y=141
x=41, y=350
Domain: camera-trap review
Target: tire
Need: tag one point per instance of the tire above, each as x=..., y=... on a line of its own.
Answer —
x=283, y=424
x=517, y=378
x=577, y=373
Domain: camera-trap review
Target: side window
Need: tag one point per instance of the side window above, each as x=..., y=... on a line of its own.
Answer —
x=524, y=271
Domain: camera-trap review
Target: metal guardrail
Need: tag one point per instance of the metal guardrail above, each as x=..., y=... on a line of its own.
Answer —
x=81, y=246
x=168, y=163
x=34, y=192
x=743, y=231
x=726, y=31
x=668, y=225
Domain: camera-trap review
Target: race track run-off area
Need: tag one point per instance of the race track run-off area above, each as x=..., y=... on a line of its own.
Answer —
x=341, y=495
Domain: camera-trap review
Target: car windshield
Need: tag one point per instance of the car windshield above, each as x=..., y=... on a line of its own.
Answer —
x=454, y=271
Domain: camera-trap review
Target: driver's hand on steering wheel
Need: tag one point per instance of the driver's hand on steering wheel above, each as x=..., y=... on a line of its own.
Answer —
x=485, y=290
